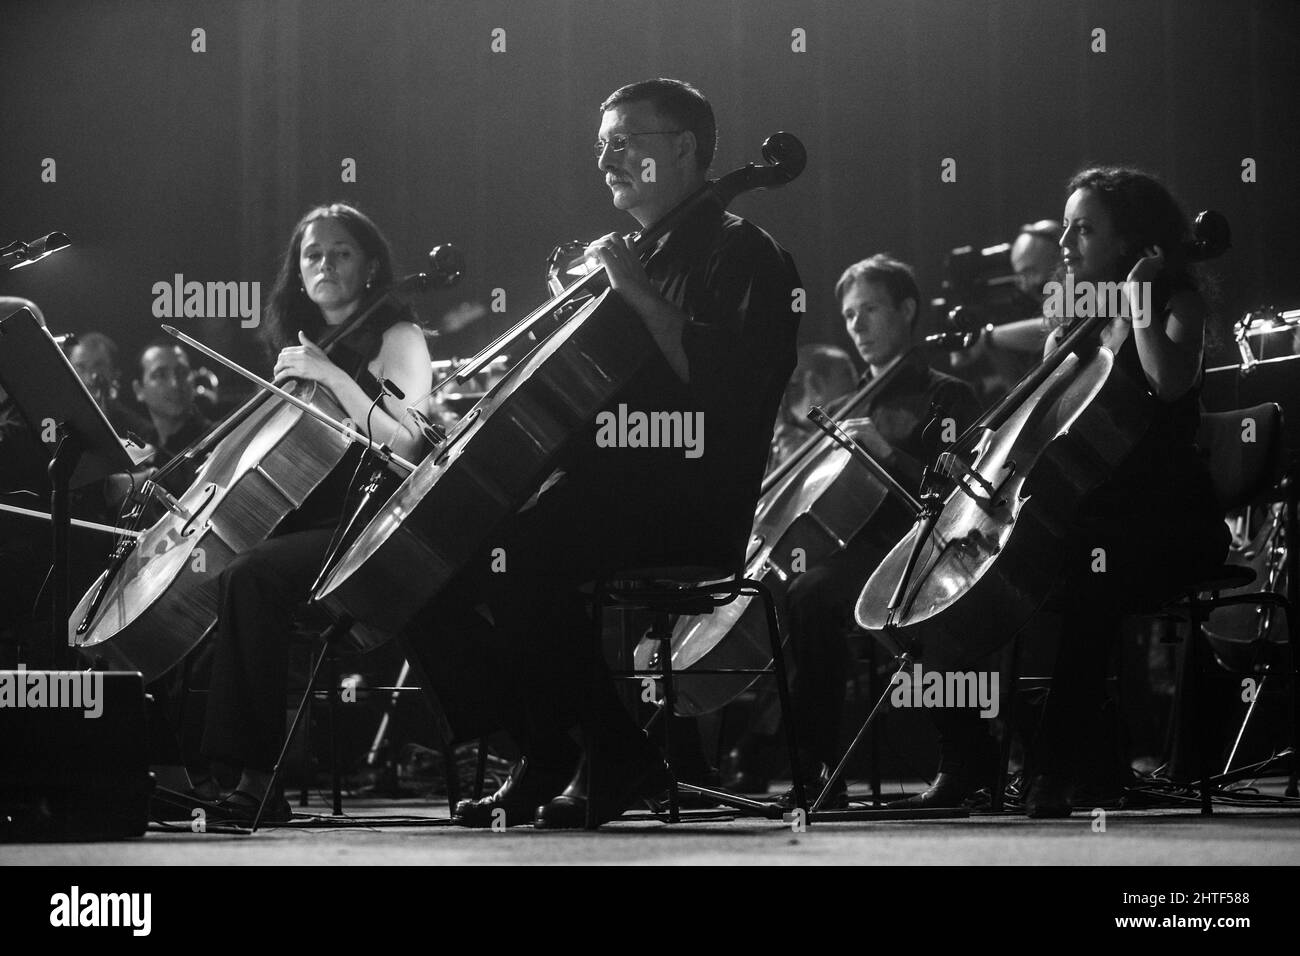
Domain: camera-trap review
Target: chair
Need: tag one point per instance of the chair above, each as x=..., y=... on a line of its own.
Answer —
x=332, y=640
x=690, y=591
x=1244, y=473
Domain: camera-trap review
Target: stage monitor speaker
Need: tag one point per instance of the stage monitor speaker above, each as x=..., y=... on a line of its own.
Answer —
x=73, y=755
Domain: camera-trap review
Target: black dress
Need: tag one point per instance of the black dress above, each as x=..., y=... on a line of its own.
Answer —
x=1136, y=541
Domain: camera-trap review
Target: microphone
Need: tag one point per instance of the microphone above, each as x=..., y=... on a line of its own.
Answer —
x=388, y=386
x=17, y=254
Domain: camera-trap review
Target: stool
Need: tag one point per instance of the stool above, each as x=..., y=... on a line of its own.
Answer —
x=332, y=638
x=692, y=591
x=1195, y=608
x=1243, y=473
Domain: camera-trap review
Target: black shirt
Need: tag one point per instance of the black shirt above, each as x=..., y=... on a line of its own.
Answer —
x=900, y=410
x=182, y=475
x=736, y=286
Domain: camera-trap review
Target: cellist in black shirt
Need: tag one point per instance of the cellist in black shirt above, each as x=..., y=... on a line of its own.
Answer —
x=512, y=649
x=880, y=303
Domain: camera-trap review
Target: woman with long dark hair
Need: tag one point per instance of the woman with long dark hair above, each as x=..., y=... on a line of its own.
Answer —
x=1154, y=526
x=336, y=262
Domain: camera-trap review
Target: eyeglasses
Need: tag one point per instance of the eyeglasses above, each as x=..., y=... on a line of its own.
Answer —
x=618, y=142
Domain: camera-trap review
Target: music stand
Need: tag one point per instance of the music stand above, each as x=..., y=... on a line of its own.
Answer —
x=82, y=444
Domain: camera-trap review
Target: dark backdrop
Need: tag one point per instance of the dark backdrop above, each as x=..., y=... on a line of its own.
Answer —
x=199, y=163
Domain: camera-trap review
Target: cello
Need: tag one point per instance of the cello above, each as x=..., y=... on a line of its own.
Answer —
x=157, y=599
x=501, y=452
x=810, y=508
x=976, y=567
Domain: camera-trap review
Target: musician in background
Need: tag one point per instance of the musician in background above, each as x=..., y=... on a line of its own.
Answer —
x=1007, y=350
x=880, y=302
x=25, y=554
x=24, y=550
x=716, y=296
x=335, y=259
x=1036, y=259
x=166, y=390
x=95, y=357
x=22, y=460
x=823, y=375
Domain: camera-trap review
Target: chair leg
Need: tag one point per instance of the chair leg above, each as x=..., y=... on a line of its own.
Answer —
x=783, y=695
x=1008, y=707
x=288, y=737
x=305, y=767
x=480, y=768
x=450, y=772
x=665, y=635
x=336, y=777
x=1196, y=674
x=1293, y=627
x=876, y=729
x=589, y=736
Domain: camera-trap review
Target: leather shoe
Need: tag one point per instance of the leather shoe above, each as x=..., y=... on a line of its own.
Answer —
x=837, y=799
x=1048, y=798
x=618, y=786
x=949, y=790
x=517, y=798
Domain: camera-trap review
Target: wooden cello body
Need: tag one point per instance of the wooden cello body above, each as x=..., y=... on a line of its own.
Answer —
x=964, y=581
x=163, y=598
x=498, y=456
x=158, y=598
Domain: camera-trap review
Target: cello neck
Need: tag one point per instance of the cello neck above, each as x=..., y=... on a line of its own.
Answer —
x=839, y=408
x=999, y=413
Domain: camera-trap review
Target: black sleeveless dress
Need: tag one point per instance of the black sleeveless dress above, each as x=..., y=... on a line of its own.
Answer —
x=328, y=500
x=1157, y=518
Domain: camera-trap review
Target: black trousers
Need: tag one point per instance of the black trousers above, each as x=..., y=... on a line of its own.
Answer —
x=1117, y=563
x=260, y=590
x=820, y=604
x=509, y=643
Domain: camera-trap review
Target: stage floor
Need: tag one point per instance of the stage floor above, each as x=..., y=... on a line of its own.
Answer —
x=416, y=832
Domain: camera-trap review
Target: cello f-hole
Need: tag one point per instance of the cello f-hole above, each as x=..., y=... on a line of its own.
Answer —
x=185, y=528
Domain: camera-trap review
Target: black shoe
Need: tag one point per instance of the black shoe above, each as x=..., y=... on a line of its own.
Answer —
x=620, y=783
x=949, y=791
x=240, y=807
x=745, y=769
x=837, y=799
x=1049, y=797
x=517, y=799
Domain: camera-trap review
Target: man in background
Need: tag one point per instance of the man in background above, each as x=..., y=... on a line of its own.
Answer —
x=166, y=390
